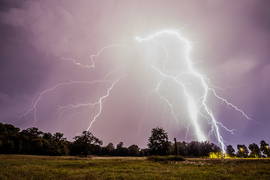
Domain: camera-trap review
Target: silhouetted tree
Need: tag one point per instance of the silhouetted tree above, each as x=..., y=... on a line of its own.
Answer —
x=264, y=147
x=120, y=150
x=96, y=150
x=143, y=152
x=47, y=136
x=255, y=151
x=242, y=151
x=111, y=149
x=32, y=141
x=33, y=132
x=10, y=141
x=133, y=150
x=54, y=145
x=58, y=137
x=158, y=143
x=197, y=149
x=230, y=151
x=193, y=149
x=120, y=145
x=205, y=148
x=84, y=144
x=105, y=151
x=182, y=148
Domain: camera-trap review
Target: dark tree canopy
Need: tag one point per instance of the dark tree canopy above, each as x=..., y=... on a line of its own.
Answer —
x=35, y=142
x=108, y=150
x=158, y=142
x=242, y=151
x=58, y=137
x=264, y=148
x=255, y=151
x=85, y=143
x=230, y=151
x=133, y=150
x=30, y=141
x=181, y=147
x=9, y=139
x=121, y=150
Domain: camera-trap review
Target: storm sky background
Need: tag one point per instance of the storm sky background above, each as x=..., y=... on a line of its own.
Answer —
x=231, y=46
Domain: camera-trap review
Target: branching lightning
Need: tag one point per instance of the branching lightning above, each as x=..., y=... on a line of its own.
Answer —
x=197, y=106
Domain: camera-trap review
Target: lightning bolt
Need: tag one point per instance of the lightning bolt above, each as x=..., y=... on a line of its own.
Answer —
x=101, y=100
x=62, y=109
x=93, y=56
x=197, y=105
x=38, y=98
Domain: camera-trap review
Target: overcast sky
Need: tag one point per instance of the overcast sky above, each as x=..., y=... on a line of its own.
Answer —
x=43, y=44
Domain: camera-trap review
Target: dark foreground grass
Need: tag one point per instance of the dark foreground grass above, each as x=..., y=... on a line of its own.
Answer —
x=44, y=167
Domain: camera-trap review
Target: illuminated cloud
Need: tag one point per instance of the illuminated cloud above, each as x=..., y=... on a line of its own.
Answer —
x=230, y=45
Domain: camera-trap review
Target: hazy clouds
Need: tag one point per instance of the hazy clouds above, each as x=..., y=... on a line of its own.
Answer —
x=231, y=45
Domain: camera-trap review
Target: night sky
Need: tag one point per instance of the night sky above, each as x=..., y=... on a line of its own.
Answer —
x=47, y=44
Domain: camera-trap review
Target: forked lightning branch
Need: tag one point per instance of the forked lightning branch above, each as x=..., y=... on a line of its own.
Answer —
x=177, y=50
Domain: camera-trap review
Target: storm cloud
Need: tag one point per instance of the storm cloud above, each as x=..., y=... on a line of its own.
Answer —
x=231, y=42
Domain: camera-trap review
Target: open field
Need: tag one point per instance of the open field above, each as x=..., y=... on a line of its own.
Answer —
x=45, y=167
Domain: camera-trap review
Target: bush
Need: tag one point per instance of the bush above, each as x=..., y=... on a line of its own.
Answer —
x=216, y=155
x=166, y=158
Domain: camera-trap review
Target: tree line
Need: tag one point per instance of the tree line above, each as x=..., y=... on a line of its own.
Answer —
x=35, y=142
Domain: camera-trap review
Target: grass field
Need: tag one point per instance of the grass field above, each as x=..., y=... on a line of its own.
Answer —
x=46, y=167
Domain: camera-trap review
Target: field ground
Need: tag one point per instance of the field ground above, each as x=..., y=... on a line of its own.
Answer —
x=46, y=167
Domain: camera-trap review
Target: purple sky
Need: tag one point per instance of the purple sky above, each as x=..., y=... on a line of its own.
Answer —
x=231, y=46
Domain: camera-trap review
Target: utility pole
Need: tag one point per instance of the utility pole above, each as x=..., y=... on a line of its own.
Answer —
x=175, y=147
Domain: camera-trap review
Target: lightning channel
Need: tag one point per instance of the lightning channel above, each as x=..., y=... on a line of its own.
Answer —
x=195, y=105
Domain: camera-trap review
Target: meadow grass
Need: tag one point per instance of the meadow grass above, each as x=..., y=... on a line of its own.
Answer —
x=47, y=167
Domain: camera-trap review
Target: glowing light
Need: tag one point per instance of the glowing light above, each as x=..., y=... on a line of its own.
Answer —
x=197, y=105
x=194, y=104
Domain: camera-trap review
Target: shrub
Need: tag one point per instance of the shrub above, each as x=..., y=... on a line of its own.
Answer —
x=166, y=158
